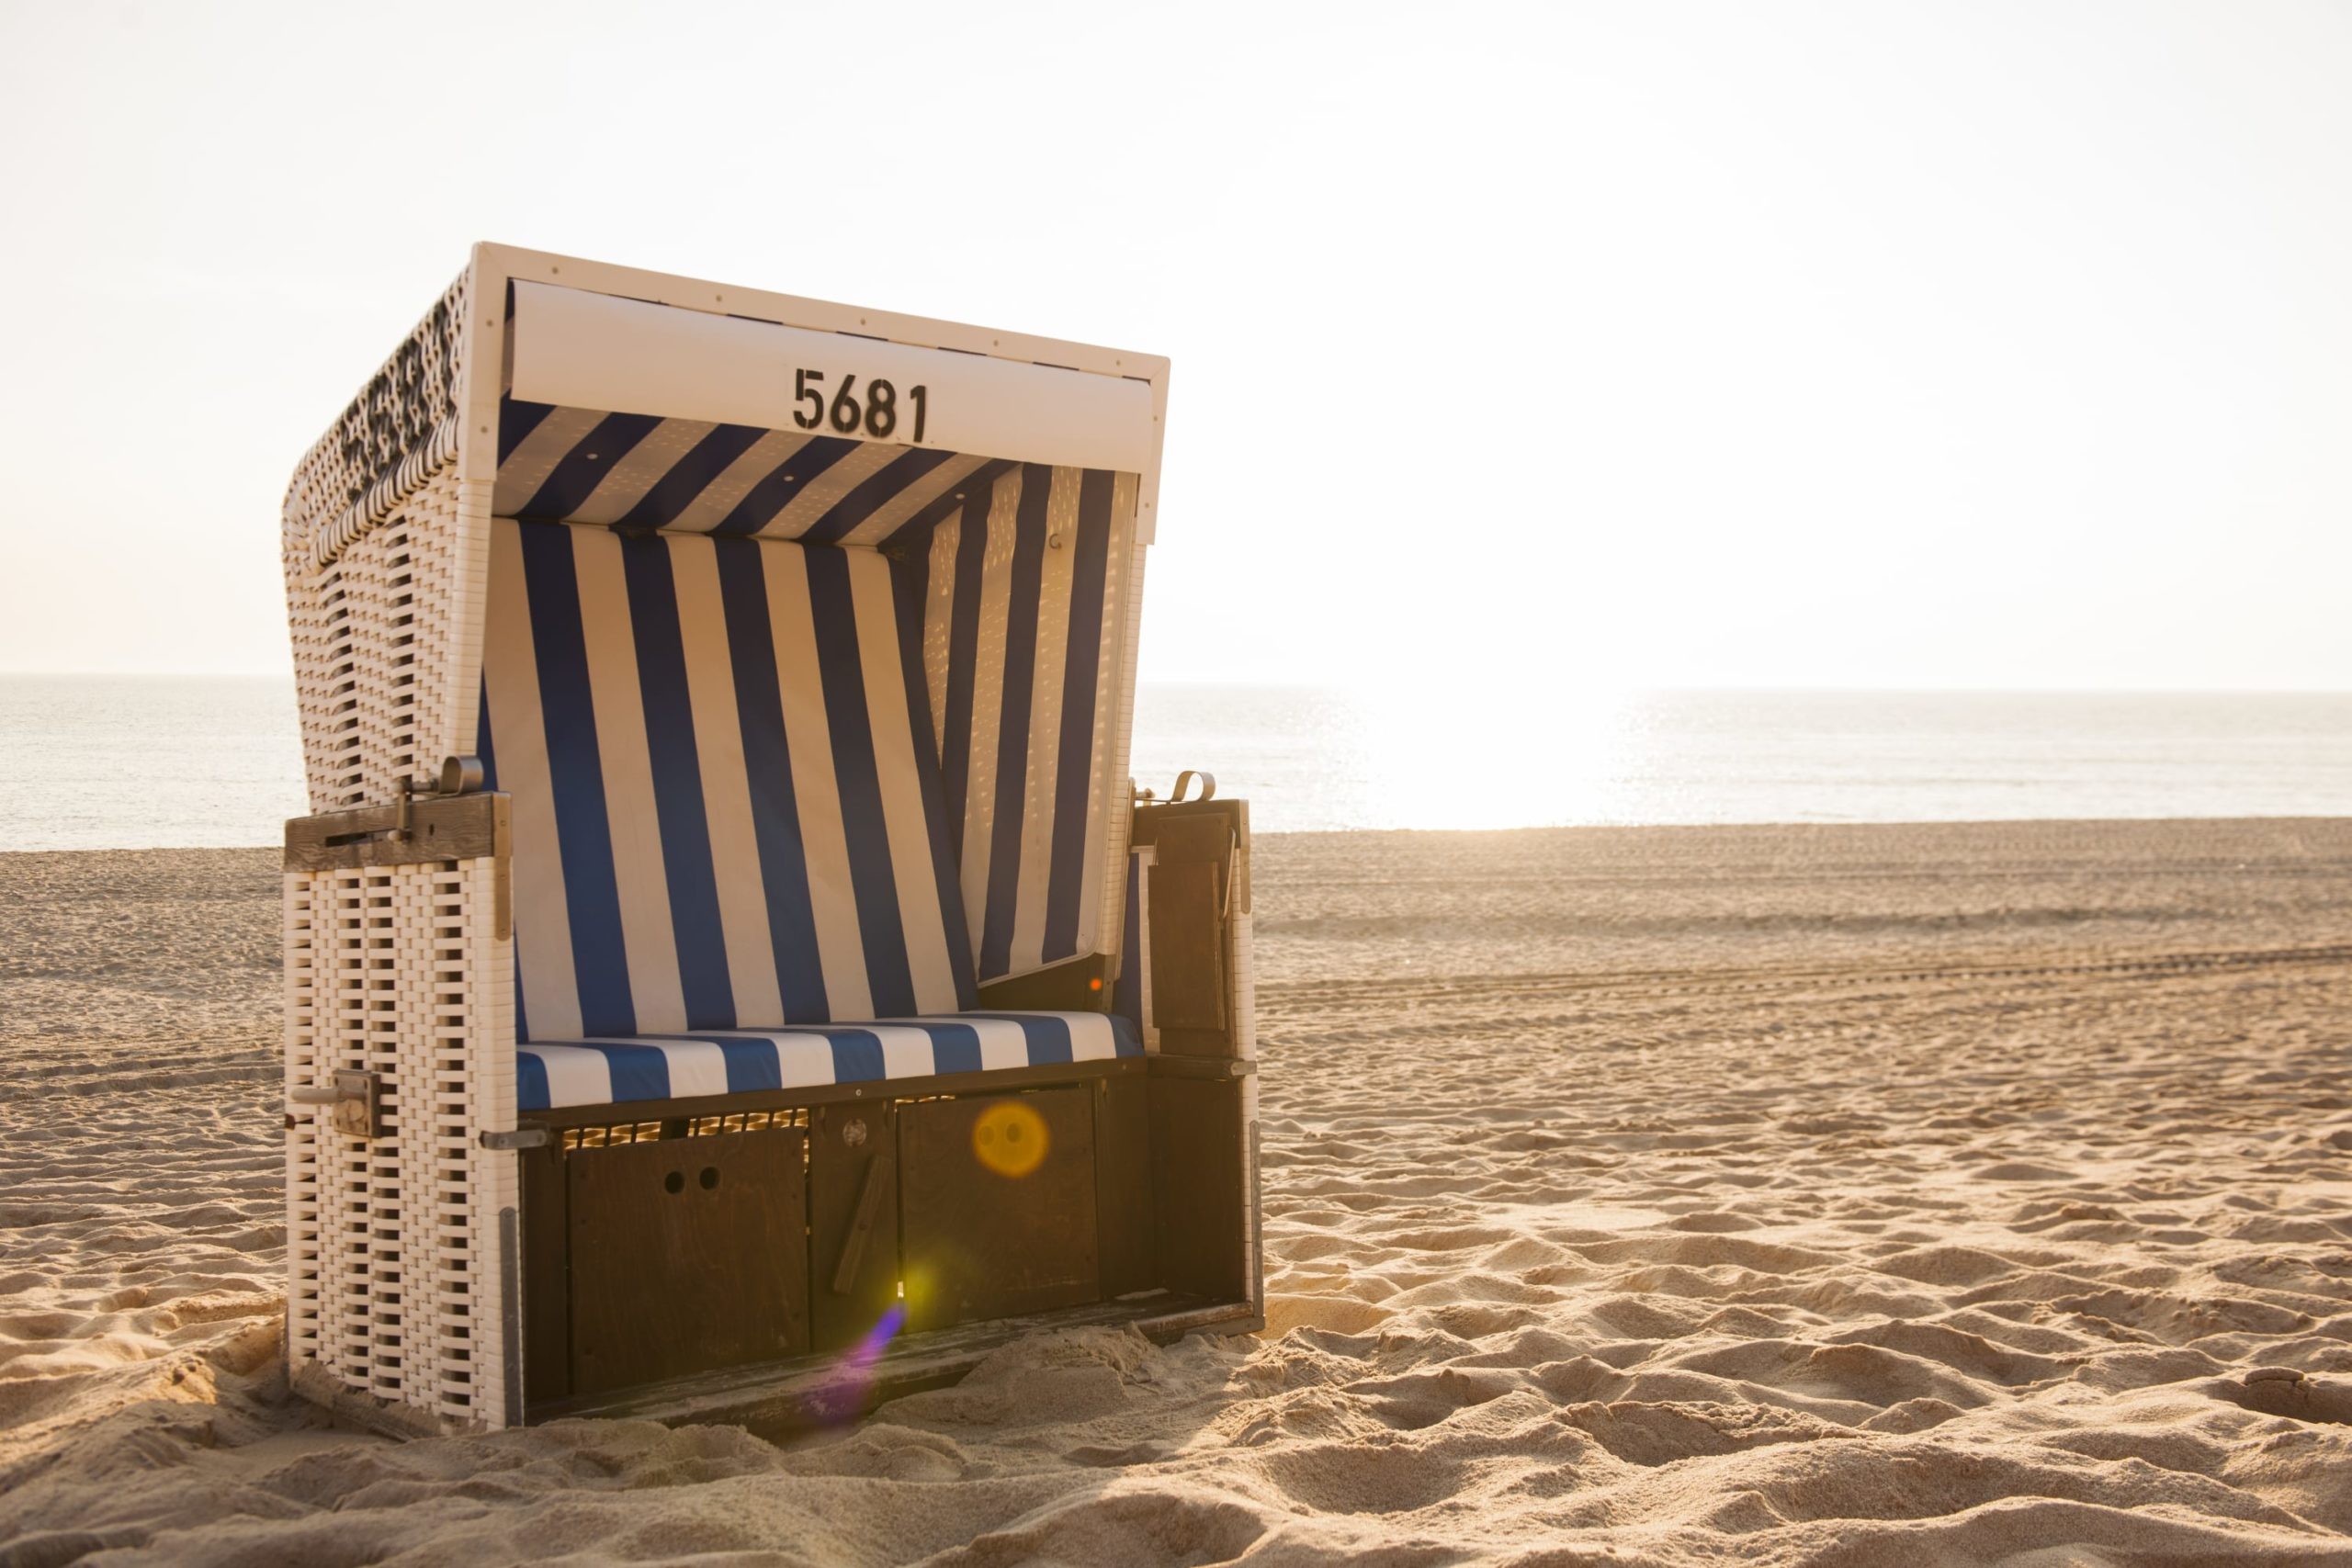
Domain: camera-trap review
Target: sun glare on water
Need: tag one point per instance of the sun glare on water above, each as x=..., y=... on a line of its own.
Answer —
x=1492, y=756
x=1409, y=752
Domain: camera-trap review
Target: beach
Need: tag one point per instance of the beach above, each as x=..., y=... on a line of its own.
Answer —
x=1970, y=1193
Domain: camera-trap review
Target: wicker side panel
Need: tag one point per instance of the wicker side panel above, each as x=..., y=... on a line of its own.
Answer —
x=406, y=410
x=396, y=1287
x=380, y=635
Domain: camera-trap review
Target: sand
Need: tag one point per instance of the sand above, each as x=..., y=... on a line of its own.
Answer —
x=1836, y=1195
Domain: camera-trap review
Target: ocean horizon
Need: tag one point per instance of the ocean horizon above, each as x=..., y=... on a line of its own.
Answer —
x=141, y=761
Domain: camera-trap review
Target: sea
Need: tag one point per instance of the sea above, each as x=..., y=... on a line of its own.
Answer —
x=137, y=762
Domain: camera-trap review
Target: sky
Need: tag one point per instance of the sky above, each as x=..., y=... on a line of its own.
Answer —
x=1599, y=345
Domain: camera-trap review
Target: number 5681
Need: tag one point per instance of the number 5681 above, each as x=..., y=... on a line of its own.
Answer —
x=874, y=416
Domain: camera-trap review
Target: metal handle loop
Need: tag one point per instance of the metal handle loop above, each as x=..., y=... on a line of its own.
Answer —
x=460, y=775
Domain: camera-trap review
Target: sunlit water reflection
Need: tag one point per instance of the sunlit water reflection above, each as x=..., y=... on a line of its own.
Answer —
x=132, y=762
x=1429, y=758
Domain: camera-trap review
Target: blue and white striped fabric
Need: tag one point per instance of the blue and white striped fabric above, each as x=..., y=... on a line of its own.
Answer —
x=1007, y=567
x=728, y=811
x=1017, y=637
x=631, y=470
x=553, y=1076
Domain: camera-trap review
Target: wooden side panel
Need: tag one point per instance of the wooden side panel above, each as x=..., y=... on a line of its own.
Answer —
x=1188, y=986
x=1206, y=840
x=1125, y=1221
x=686, y=1254
x=853, y=1220
x=1197, y=1164
x=997, y=1201
x=1193, y=898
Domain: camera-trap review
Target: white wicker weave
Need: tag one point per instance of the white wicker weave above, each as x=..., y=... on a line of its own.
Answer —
x=398, y=1287
x=393, y=1244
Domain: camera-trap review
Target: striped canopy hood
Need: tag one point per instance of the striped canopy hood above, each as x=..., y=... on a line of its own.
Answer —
x=802, y=727
x=806, y=654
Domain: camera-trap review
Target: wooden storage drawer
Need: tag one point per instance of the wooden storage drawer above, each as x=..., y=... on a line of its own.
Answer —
x=686, y=1254
x=999, y=1205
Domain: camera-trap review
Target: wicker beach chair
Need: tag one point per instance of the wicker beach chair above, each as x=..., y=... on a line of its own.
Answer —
x=729, y=971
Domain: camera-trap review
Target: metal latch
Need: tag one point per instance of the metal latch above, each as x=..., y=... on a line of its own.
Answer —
x=459, y=775
x=353, y=1100
x=520, y=1138
x=455, y=820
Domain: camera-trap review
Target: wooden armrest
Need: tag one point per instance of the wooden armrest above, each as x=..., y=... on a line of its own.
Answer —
x=439, y=826
x=416, y=832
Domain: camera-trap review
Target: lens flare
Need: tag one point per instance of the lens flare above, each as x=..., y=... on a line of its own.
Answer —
x=843, y=1395
x=1010, y=1138
x=877, y=1338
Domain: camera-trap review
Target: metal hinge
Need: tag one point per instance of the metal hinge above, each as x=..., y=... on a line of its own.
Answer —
x=520, y=1138
x=354, y=1101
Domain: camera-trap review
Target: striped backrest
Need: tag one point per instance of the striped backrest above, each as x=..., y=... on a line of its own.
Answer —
x=1020, y=582
x=729, y=809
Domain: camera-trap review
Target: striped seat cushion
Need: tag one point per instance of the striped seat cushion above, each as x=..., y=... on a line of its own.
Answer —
x=728, y=803
x=554, y=1075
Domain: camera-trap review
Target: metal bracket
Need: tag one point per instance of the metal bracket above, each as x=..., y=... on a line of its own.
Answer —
x=354, y=1101
x=459, y=775
x=1168, y=1066
x=415, y=830
x=520, y=1138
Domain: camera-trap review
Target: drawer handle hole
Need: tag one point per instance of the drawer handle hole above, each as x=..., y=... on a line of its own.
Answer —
x=709, y=1177
x=675, y=1182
